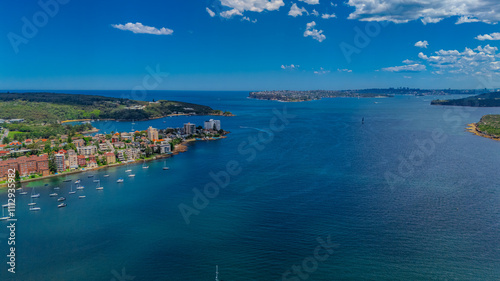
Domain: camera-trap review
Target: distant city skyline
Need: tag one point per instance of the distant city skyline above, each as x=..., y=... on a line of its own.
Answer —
x=249, y=45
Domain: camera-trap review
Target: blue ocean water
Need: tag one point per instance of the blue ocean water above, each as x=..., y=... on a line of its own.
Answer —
x=408, y=195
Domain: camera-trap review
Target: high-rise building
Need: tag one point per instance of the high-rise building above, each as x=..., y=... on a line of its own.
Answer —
x=212, y=125
x=152, y=133
x=72, y=159
x=60, y=165
x=189, y=129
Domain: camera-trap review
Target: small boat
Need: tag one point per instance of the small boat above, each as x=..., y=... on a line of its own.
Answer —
x=144, y=165
x=62, y=205
x=131, y=175
x=81, y=187
x=81, y=196
x=98, y=187
x=20, y=188
x=128, y=171
x=33, y=195
x=23, y=192
x=34, y=208
x=119, y=181
x=56, y=188
x=106, y=176
x=5, y=205
x=53, y=194
x=96, y=180
x=3, y=215
x=90, y=176
x=67, y=180
x=166, y=168
x=61, y=199
x=32, y=204
x=72, y=192
x=77, y=181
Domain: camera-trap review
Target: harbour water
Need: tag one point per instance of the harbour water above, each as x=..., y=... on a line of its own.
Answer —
x=408, y=195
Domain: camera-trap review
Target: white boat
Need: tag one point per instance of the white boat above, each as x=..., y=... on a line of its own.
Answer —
x=33, y=195
x=61, y=199
x=77, y=181
x=32, y=204
x=106, y=176
x=81, y=187
x=72, y=192
x=22, y=192
x=96, y=180
x=34, y=208
x=119, y=181
x=5, y=205
x=128, y=171
x=56, y=188
x=144, y=165
x=131, y=175
x=3, y=215
x=81, y=196
x=53, y=194
x=62, y=205
x=98, y=187
x=165, y=166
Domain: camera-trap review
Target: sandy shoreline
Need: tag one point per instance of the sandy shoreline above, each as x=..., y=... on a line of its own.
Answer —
x=474, y=129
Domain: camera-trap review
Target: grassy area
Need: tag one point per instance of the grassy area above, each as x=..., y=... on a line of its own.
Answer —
x=11, y=134
x=490, y=124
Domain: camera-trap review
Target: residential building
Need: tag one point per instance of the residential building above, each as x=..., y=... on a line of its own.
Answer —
x=60, y=162
x=165, y=148
x=87, y=150
x=82, y=162
x=72, y=159
x=189, y=129
x=103, y=146
x=110, y=158
x=212, y=125
x=152, y=133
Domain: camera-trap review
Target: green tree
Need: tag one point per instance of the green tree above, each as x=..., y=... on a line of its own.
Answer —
x=18, y=176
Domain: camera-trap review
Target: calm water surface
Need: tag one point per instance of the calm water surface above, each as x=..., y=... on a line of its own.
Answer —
x=323, y=175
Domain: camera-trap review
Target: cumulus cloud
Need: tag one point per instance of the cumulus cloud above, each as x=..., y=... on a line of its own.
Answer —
x=478, y=61
x=210, y=12
x=140, y=28
x=422, y=44
x=406, y=68
x=427, y=11
x=314, y=33
x=328, y=16
x=253, y=5
x=344, y=70
x=289, y=67
x=311, y=2
x=408, y=62
x=492, y=36
x=315, y=13
x=321, y=71
x=230, y=13
x=296, y=11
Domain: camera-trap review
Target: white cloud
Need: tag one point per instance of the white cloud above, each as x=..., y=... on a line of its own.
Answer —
x=344, y=70
x=230, y=13
x=296, y=11
x=140, y=28
x=321, y=71
x=408, y=62
x=210, y=12
x=314, y=33
x=315, y=13
x=248, y=19
x=407, y=77
x=311, y=2
x=492, y=36
x=422, y=44
x=427, y=11
x=289, y=67
x=479, y=61
x=253, y=5
x=406, y=68
x=327, y=16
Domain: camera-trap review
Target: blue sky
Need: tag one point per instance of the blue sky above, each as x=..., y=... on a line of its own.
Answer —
x=249, y=44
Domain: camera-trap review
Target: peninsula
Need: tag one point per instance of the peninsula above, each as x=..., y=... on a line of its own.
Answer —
x=488, y=127
x=56, y=107
x=300, y=96
x=491, y=99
